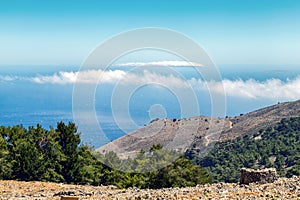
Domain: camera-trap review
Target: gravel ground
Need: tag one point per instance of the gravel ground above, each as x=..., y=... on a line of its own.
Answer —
x=282, y=189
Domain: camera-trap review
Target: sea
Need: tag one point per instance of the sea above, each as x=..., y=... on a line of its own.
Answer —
x=28, y=103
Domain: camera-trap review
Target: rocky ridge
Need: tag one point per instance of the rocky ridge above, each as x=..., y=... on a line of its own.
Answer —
x=200, y=131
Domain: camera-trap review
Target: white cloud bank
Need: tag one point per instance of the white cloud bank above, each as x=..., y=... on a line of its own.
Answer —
x=89, y=76
x=269, y=89
x=273, y=89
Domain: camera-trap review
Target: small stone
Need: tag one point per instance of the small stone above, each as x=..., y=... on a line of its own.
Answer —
x=68, y=198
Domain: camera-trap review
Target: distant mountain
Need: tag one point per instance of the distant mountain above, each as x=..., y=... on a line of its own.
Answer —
x=199, y=132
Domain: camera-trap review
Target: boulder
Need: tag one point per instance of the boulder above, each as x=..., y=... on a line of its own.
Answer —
x=262, y=176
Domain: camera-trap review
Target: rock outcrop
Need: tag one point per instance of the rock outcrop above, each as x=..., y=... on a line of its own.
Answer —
x=258, y=176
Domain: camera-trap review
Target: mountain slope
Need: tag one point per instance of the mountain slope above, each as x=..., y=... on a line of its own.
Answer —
x=254, y=121
x=199, y=132
x=276, y=146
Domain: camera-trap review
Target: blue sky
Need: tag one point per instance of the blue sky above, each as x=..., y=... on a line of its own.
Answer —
x=61, y=32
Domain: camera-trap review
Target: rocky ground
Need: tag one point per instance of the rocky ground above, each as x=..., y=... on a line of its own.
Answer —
x=283, y=189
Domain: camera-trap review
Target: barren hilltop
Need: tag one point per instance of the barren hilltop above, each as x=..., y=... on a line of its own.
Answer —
x=196, y=132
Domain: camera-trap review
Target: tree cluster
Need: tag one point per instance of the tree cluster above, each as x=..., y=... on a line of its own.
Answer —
x=57, y=155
